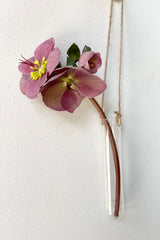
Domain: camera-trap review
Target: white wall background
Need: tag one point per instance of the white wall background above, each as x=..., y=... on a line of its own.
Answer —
x=51, y=169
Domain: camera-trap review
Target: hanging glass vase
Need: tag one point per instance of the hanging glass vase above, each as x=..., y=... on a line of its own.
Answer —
x=111, y=187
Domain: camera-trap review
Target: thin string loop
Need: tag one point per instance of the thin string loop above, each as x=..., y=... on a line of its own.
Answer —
x=118, y=113
x=107, y=48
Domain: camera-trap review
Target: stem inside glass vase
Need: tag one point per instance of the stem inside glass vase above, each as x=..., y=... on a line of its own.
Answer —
x=115, y=154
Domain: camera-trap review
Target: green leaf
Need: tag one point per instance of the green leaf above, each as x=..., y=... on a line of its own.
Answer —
x=86, y=49
x=74, y=52
x=70, y=62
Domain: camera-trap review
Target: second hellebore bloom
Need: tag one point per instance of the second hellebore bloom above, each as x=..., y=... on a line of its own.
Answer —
x=90, y=61
x=65, y=91
x=36, y=69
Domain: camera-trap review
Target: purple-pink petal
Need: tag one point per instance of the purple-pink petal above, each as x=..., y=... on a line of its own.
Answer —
x=44, y=49
x=97, y=60
x=26, y=68
x=54, y=79
x=85, y=57
x=33, y=87
x=86, y=66
x=62, y=69
x=53, y=60
x=25, y=79
x=30, y=87
x=53, y=94
x=87, y=84
x=71, y=100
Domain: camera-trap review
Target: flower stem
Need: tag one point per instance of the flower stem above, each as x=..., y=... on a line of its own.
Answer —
x=115, y=154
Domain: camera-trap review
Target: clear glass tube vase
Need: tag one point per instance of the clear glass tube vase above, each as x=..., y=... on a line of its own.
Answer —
x=109, y=168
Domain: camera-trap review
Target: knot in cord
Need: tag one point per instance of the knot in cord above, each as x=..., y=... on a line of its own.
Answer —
x=118, y=118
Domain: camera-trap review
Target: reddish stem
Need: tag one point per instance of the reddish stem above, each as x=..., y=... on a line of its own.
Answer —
x=115, y=154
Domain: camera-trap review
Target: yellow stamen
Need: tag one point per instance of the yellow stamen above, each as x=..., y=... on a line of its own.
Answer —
x=39, y=70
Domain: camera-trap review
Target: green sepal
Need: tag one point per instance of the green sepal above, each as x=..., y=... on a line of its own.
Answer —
x=74, y=52
x=86, y=49
x=71, y=62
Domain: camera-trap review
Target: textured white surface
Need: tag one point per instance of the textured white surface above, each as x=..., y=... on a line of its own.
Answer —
x=51, y=170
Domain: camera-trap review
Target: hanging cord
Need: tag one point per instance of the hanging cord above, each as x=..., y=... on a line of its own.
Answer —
x=118, y=113
x=107, y=49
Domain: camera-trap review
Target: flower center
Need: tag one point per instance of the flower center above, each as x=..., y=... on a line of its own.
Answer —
x=69, y=80
x=91, y=63
x=38, y=70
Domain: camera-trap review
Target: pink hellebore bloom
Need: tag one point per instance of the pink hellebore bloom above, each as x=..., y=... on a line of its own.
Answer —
x=90, y=61
x=65, y=91
x=36, y=69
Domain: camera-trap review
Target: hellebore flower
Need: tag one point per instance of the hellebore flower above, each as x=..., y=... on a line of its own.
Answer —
x=65, y=91
x=36, y=69
x=90, y=61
